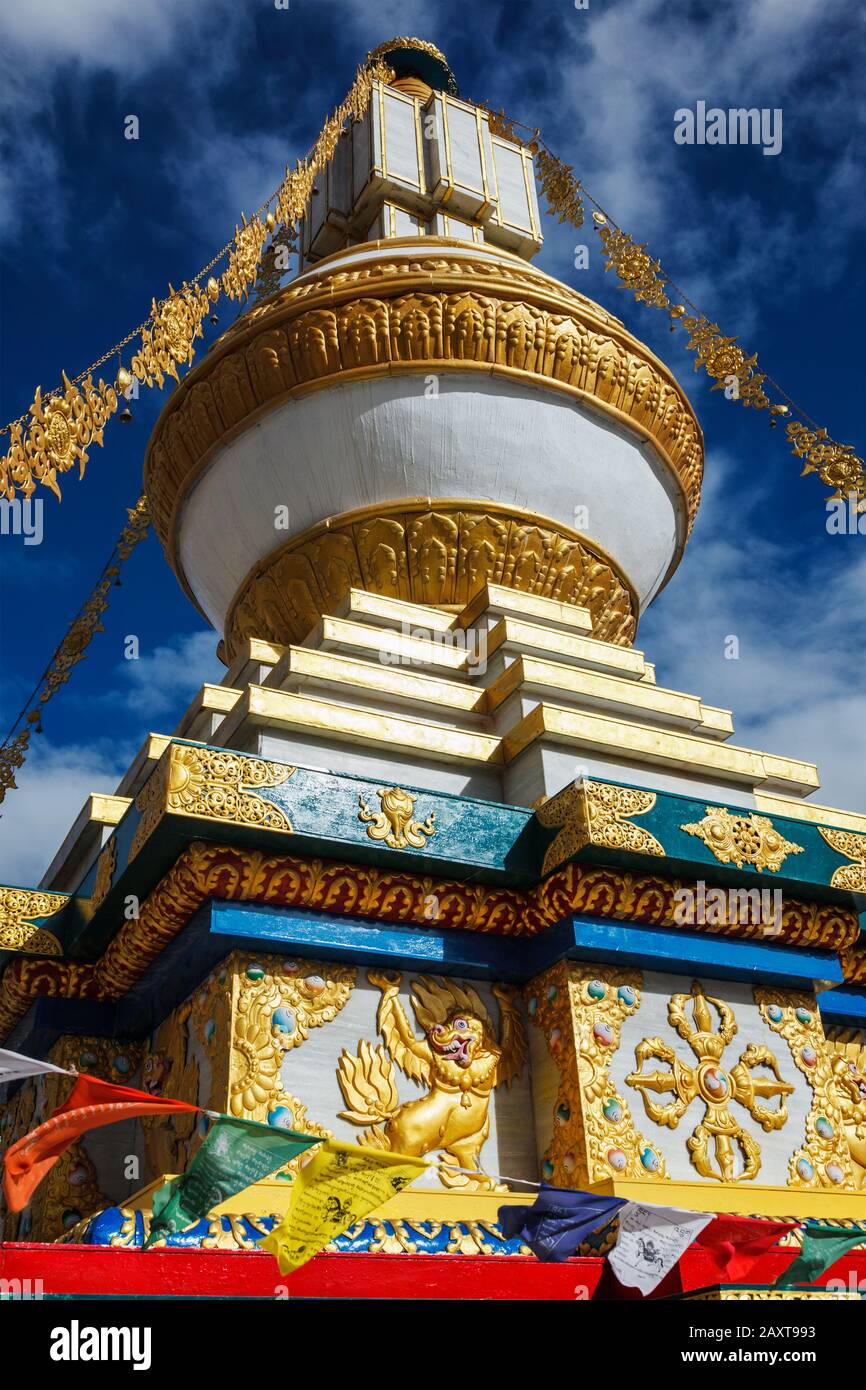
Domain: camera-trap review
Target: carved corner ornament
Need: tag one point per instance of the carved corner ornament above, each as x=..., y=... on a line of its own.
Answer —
x=106, y=867
x=714, y=1084
x=210, y=784
x=742, y=840
x=596, y=813
x=22, y=913
x=851, y=876
x=395, y=823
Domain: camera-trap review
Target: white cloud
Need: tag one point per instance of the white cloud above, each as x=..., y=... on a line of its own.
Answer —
x=162, y=682
x=53, y=785
x=796, y=688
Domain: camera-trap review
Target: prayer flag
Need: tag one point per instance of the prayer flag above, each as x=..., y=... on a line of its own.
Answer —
x=822, y=1247
x=559, y=1220
x=650, y=1241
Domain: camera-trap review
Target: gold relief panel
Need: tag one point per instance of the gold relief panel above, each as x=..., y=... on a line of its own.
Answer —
x=171, y=1068
x=428, y=313
x=439, y=557
x=825, y=1159
x=848, y=1053
x=580, y=1011
x=395, y=824
x=458, y=1059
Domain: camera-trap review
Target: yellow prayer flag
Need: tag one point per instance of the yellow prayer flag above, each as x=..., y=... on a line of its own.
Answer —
x=340, y=1185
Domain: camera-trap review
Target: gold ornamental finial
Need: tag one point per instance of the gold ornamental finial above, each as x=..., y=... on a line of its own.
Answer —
x=411, y=57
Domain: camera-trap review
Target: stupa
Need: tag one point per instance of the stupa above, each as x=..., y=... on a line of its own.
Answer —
x=439, y=866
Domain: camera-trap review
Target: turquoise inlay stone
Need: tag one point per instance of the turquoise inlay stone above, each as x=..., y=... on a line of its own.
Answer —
x=255, y=972
x=547, y=1168
x=121, y=1064
x=71, y=1218
x=533, y=1007
x=808, y=1056
x=283, y=1020
x=650, y=1160
x=774, y=1013
x=88, y=1059
x=834, y=1172
x=805, y=1169
x=603, y=1033
x=596, y=989
x=563, y=1114
x=626, y=995
x=804, y=1016
x=210, y=1030
x=552, y=993
x=824, y=1127
x=78, y=1176
x=281, y=1117
x=612, y=1110
x=617, y=1159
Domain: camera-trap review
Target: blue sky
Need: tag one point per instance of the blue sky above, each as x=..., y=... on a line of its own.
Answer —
x=227, y=92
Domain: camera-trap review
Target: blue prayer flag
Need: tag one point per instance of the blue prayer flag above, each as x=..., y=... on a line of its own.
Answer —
x=559, y=1221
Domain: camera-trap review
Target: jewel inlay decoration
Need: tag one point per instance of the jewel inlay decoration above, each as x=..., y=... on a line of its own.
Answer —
x=742, y=840
x=712, y=1083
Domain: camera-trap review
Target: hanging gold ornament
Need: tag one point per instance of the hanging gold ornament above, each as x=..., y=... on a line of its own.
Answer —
x=560, y=188
x=57, y=436
x=168, y=338
x=635, y=268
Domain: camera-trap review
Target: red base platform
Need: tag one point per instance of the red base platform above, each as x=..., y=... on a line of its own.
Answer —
x=104, y=1270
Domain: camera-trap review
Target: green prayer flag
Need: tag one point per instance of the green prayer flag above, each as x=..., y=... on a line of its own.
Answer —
x=822, y=1247
x=235, y=1154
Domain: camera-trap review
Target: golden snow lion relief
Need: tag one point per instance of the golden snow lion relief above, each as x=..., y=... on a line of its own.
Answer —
x=458, y=1059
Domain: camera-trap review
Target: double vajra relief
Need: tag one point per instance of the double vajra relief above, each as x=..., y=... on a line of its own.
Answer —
x=458, y=1059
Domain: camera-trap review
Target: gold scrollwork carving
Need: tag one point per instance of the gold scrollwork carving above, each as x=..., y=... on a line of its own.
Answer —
x=211, y=784
x=848, y=1049
x=18, y=930
x=581, y=1013
x=850, y=876
x=395, y=823
x=596, y=813
x=277, y=1001
x=824, y=1160
x=742, y=840
x=106, y=867
x=713, y=1085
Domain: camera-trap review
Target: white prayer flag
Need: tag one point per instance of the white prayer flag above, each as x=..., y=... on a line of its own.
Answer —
x=13, y=1066
x=650, y=1241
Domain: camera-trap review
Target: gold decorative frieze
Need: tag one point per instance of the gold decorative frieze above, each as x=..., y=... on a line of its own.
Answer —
x=850, y=876
x=22, y=911
x=580, y=1010
x=438, y=553
x=714, y=1085
x=824, y=1160
x=211, y=784
x=230, y=873
x=742, y=840
x=395, y=823
x=428, y=313
x=596, y=813
x=458, y=1058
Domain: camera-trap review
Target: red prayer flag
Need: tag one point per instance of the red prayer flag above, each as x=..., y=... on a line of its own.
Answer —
x=90, y=1103
x=736, y=1242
